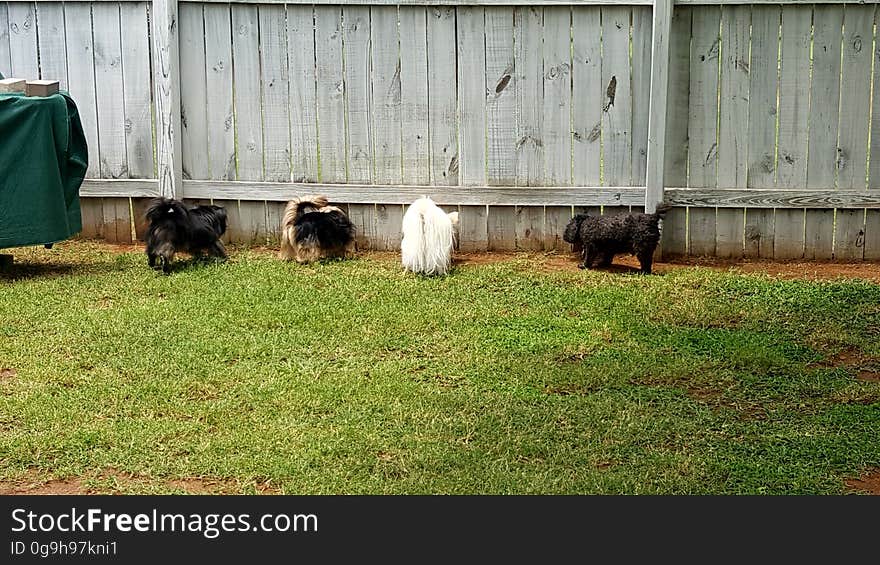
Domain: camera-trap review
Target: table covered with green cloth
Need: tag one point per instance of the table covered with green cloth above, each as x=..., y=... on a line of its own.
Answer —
x=43, y=159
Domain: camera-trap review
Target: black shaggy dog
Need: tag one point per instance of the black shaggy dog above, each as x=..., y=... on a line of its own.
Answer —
x=174, y=228
x=603, y=237
x=311, y=230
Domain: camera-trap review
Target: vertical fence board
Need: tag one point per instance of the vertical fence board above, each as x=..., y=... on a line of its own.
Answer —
x=673, y=241
x=5, y=56
x=474, y=228
x=274, y=215
x=140, y=155
x=358, y=90
x=363, y=216
x=529, y=228
x=92, y=211
x=23, y=40
x=794, y=94
x=116, y=216
x=51, y=33
x=760, y=232
x=246, y=92
x=472, y=96
x=556, y=119
x=442, y=120
x=855, y=105
x=555, y=219
x=702, y=123
x=872, y=217
x=274, y=69
x=501, y=97
x=389, y=219
x=386, y=108
x=108, y=81
x=414, y=94
x=641, y=90
x=218, y=60
x=330, y=88
x=617, y=108
x=588, y=94
x=303, y=118
x=529, y=68
x=81, y=75
x=733, y=129
x=193, y=92
x=502, y=228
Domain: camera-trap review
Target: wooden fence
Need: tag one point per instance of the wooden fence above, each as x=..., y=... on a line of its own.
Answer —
x=757, y=120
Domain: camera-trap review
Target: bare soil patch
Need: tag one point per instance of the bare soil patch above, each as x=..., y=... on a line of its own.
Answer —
x=868, y=483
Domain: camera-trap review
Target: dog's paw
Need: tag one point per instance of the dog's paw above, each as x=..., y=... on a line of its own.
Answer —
x=582, y=265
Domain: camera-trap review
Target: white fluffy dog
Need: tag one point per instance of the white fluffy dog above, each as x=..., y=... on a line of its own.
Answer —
x=428, y=238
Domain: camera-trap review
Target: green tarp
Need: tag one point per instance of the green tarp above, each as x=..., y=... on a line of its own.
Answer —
x=43, y=159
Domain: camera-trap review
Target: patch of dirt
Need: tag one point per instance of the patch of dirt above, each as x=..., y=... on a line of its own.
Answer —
x=112, y=481
x=868, y=376
x=7, y=374
x=864, y=366
x=868, y=483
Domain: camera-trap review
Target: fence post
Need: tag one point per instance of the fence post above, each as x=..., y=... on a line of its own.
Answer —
x=662, y=25
x=166, y=81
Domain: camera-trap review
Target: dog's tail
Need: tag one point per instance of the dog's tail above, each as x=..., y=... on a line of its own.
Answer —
x=164, y=207
x=294, y=210
x=428, y=237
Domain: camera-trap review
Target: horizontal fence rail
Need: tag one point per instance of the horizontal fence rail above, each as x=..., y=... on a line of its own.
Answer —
x=516, y=113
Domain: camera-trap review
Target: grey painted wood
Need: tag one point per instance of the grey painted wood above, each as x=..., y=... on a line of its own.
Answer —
x=673, y=233
x=502, y=228
x=166, y=96
x=136, y=89
x=274, y=87
x=442, y=118
x=358, y=93
x=529, y=90
x=330, y=93
x=587, y=91
x=824, y=97
x=556, y=116
x=555, y=220
x=473, y=228
x=501, y=97
x=678, y=100
x=5, y=57
x=81, y=75
x=386, y=96
x=529, y=228
x=109, y=91
x=246, y=91
x=703, y=117
x=763, y=84
x=760, y=232
x=617, y=88
x=51, y=34
x=193, y=93
x=218, y=80
x=303, y=97
x=23, y=40
x=644, y=41
x=414, y=95
x=471, y=95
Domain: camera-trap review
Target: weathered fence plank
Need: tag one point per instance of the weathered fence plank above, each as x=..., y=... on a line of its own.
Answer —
x=414, y=95
x=193, y=93
x=617, y=107
x=855, y=106
x=502, y=228
x=641, y=89
x=474, y=228
x=218, y=80
x=50, y=35
x=274, y=70
x=330, y=88
x=5, y=56
x=501, y=97
x=81, y=64
x=530, y=228
x=136, y=86
x=471, y=95
x=441, y=90
x=246, y=91
x=386, y=97
x=556, y=118
x=303, y=109
x=358, y=93
x=166, y=95
x=529, y=68
x=733, y=135
x=110, y=97
x=587, y=91
x=23, y=40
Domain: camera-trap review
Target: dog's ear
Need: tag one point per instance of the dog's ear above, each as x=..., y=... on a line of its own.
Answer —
x=570, y=235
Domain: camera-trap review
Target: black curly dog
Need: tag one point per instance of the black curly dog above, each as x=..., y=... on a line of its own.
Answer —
x=174, y=227
x=603, y=237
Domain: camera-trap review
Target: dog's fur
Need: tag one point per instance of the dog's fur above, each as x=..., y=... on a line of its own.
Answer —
x=602, y=237
x=174, y=227
x=428, y=238
x=312, y=230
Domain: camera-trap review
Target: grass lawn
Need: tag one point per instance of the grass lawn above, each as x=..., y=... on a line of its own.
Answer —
x=505, y=377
